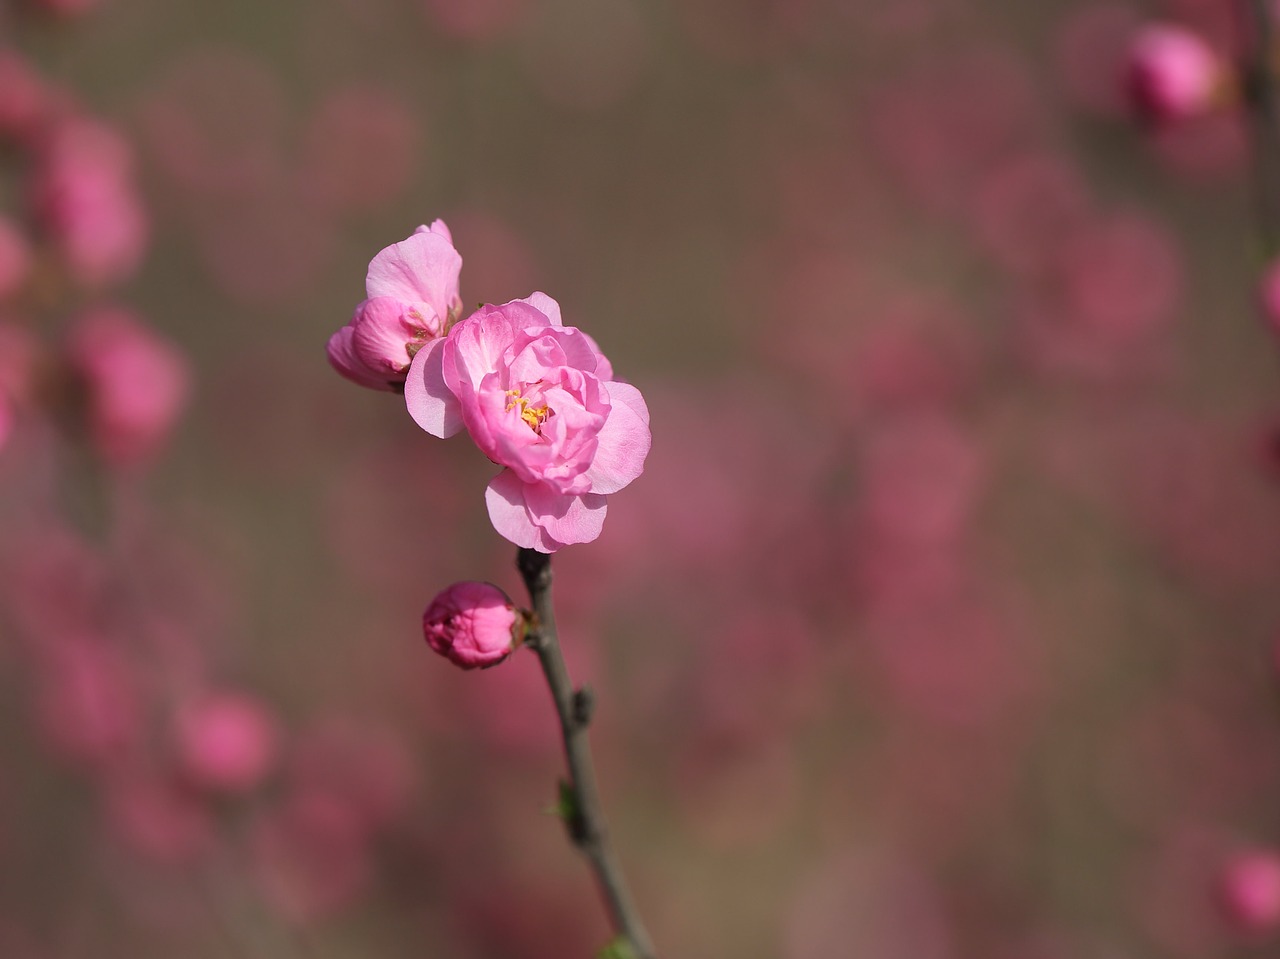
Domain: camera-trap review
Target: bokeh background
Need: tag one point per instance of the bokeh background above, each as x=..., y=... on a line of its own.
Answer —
x=941, y=624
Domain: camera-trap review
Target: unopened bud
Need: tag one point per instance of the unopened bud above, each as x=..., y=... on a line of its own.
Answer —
x=474, y=624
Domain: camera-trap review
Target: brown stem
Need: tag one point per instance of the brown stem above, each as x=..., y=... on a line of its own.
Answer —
x=1258, y=83
x=585, y=817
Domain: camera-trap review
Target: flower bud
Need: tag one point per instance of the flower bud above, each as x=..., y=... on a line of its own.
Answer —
x=473, y=624
x=1250, y=890
x=1172, y=73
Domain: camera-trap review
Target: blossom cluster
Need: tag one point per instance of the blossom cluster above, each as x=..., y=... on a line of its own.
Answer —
x=537, y=397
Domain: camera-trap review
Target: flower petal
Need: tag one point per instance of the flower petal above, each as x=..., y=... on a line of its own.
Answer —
x=624, y=440
x=344, y=358
x=381, y=337
x=544, y=305
x=437, y=226
x=505, y=498
x=428, y=399
x=536, y=517
x=564, y=518
x=423, y=268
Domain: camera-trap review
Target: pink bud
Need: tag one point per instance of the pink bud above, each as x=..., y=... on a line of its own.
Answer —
x=1172, y=73
x=1250, y=890
x=226, y=742
x=136, y=383
x=473, y=624
x=1269, y=294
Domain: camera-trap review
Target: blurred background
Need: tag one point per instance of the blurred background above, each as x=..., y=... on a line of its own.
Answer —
x=941, y=624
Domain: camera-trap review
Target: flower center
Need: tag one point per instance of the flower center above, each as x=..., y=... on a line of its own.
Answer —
x=533, y=415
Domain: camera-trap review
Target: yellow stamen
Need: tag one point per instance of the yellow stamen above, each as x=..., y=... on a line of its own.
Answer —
x=533, y=415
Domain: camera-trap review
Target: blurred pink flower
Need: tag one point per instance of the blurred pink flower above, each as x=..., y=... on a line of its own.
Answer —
x=476, y=20
x=67, y=8
x=311, y=855
x=1249, y=888
x=361, y=147
x=368, y=767
x=136, y=383
x=412, y=289
x=156, y=818
x=1269, y=295
x=87, y=703
x=538, y=398
x=473, y=624
x=1172, y=73
x=1090, y=50
x=83, y=195
x=15, y=258
x=24, y=97
x=226, y=741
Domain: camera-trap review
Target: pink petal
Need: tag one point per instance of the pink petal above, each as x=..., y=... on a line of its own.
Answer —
x=437, y=226
x=424, y=268
x=544, y=305
x=476, y=348
x=623, y=440
x=505, y=498
x=536, y=517
x=380, y=337
x=343, y=358
x=428, y=399
x=564, y=518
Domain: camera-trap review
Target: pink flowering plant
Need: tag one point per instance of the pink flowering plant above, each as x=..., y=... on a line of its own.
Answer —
x=412, y=300
x=540, y=400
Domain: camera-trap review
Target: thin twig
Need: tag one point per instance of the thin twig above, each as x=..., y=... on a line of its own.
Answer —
x=585, y=818
x=1257, y=81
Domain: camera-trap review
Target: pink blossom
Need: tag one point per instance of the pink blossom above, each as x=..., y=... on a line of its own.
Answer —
x=136, y=383
x=412, y=289
x=226, y=741
x=539, y=399
x=87, y=702
x=1269, y=295
x=1172, y=73
x=1250, y=890
x=473, y=624
x=84, y=197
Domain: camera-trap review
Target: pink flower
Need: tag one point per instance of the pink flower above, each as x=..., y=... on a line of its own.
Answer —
x=226, y=742
x=473, y=624
x=1172, y=73
x=538, y=398
x=84, y=197
x=1250, y=890
x=136, y=383
x=412, y=289
x=1269, y=294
